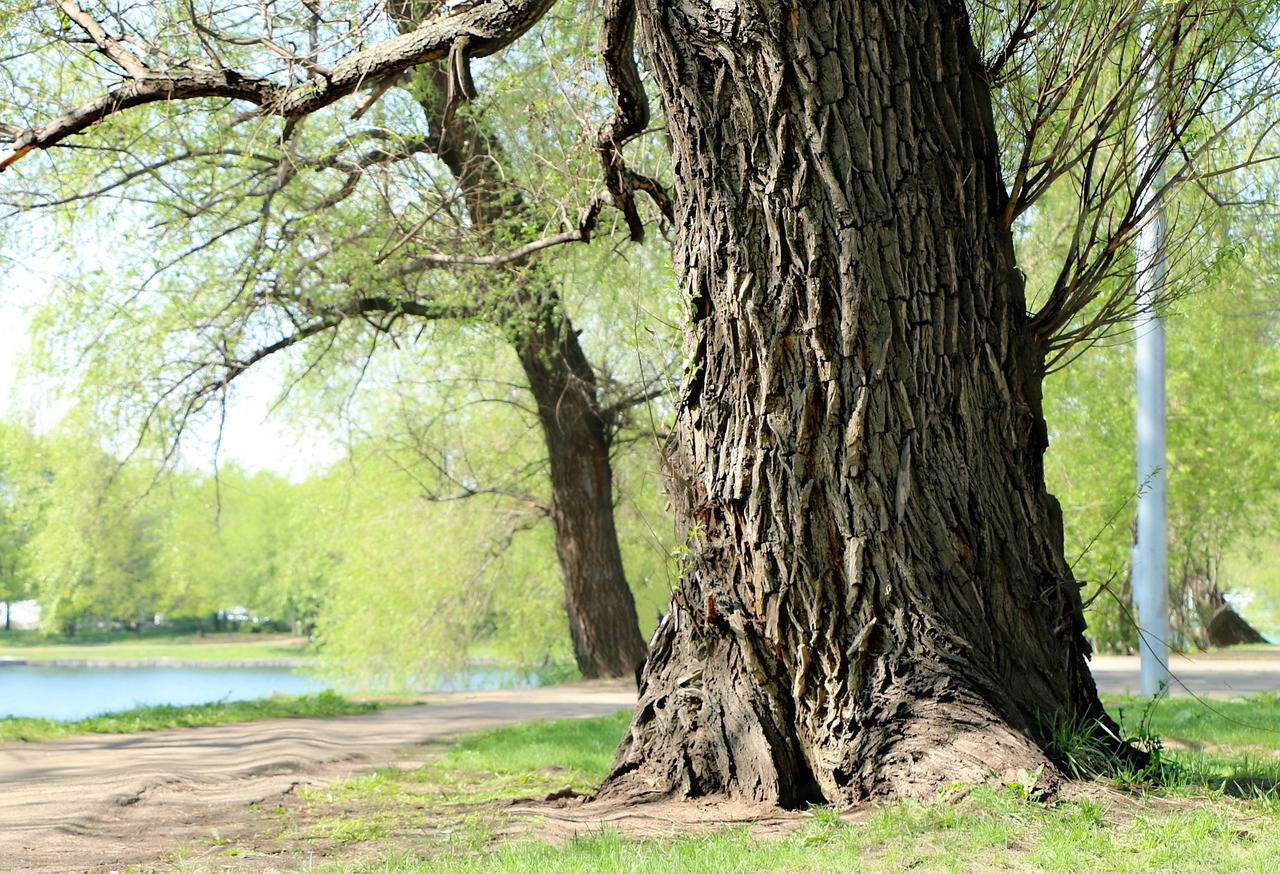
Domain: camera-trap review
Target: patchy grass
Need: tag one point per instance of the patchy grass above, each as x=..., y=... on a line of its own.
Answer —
x=455, y=797
x=127, y=646
x=989, y=830
x=532, y=758
x=325, y=703
x=1216, y=811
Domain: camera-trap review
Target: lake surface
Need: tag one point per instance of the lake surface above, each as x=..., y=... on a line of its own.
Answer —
x=77, y=693
x=70, y=693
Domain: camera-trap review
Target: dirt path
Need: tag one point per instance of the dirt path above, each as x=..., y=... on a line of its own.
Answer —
x=102, y=803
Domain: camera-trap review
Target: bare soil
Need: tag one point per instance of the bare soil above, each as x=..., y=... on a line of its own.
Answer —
x=103, y=803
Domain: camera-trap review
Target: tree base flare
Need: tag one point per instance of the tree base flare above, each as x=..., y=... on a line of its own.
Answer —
x=715, y=730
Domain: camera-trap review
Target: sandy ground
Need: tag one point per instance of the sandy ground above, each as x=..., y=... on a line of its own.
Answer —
x=104, y=803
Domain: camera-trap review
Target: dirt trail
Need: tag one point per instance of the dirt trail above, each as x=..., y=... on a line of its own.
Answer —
x=102, y=803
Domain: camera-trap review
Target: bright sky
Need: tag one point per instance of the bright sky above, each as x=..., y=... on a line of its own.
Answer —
x=251, y=436
x=16, y=283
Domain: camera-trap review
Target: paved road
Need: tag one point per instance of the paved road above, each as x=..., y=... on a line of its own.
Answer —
x=1219, y=674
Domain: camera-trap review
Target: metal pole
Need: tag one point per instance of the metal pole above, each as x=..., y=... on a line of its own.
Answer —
x=1151, y=553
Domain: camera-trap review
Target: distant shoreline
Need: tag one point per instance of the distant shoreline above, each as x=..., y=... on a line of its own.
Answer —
x=295, y=664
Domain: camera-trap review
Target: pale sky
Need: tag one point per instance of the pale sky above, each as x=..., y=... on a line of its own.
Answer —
x=251, y=436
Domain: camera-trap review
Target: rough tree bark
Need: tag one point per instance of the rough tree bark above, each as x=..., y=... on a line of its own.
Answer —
x=576, y=428
x=876, y=600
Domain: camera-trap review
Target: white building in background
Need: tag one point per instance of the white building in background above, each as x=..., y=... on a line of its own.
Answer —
x=20, y=615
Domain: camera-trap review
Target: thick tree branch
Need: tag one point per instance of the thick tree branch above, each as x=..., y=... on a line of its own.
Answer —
x=488, y=27
x=108, y=46
x=632, y=116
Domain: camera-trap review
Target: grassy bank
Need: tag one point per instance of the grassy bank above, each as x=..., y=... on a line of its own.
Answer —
x=129, y=646
x=156, y=718
x=1214, y=809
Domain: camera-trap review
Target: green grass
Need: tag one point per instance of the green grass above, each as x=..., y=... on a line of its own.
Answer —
x=446, y=815
x=1240, y=722
x=127, y=646
x=1231, y=746
x=523, y=759
x=325, y=703
x=989, y=830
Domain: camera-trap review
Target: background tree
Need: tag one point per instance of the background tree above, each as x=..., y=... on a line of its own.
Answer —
x=254, y=541
x=90, y=556
x=876, y=599
x=435, y=448
x=16, y=494
x=330, y=234
x=1223, y=481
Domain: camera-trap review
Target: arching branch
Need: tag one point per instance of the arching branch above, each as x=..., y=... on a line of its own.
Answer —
x=632, y=116
x=486, y=27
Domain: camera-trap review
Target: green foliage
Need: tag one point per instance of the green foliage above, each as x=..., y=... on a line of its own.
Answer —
x=448, y=550
x=1077, y=745
x=96, y=540
x=255, y=541
x=252, y=233
x=17, y=452
x=239, y=253
x=423, y=582
x=1224, y=391
x=406, y=588
x=162, y=717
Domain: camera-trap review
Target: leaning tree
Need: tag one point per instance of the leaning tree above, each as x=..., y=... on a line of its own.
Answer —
x=875, y=599
x=407, y=220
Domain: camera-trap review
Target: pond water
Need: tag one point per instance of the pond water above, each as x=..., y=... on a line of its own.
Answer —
x=70, y=693
x=76, y=693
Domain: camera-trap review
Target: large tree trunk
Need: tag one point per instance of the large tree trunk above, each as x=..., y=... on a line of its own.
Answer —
x=877, y=601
